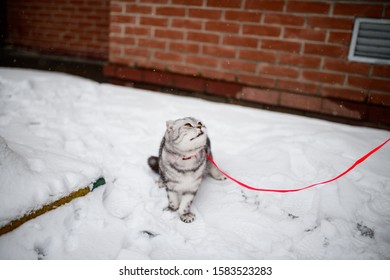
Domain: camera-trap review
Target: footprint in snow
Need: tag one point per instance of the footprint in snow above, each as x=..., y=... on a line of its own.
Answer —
x=380, y=205
x=311, y=246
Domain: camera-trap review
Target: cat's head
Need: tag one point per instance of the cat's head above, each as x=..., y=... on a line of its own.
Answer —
x=187, y=134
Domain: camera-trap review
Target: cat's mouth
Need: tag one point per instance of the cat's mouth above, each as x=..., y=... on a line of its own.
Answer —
x=199, y=134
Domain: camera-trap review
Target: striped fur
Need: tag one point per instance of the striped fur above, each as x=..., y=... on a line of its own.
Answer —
x=182, y=164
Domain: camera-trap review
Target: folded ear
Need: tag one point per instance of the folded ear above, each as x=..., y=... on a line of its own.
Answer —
x=169, y=126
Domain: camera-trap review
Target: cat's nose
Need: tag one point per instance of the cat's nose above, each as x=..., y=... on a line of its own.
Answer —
x=199, y=126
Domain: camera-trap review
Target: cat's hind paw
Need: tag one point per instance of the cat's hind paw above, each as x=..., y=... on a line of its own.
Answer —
x=220, y=177
x=216, y=174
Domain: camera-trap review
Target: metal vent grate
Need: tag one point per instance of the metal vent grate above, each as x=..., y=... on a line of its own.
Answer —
x=370, y=41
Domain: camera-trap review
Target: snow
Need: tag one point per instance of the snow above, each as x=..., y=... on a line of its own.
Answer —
x=63, y=131
x=31, y=178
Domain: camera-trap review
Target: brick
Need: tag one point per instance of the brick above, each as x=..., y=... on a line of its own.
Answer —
x=242, y=16
x=122, y=40
x=170, y=11
x=346, y=109
x=115, y=28
x=138, y=9
x=114, y=49
x=303, y=102
x=153, y=21
x=299, y=60
x=261, y=30
x=298, y=86
x=322, y=77
x=240, y=41
x=370, y=84
x=260, y=56
x=343, y=93
x=379, y=98
x=224, y=3
x=190, y=83
x=346, y=66
x=226, y=89
x=283, y=19
x=339, y=37
x=265, y=5
x=114, y=7
x=187, y=23
x=257, y=80
x=109, y=70
x=330, y=23
x=359, y=82
x=137, y=31
x=277, y=70
x=184, y=47
x=218, y=75
x=353, y=9
x=203, y=37
x=308, y=7
x=204, y=13
x=122, y=19
x=150, y=43
x=304, y=34
x=381, y=71
x=264, y=96
x=379, y=115
x=148, y=64
x=202, y=60
x=168, y=56
x=326, y=50
x=219, y=26
x=158, y=77
x=183, y=69
x=128, y=74
x=217, y=51
x=169, y=34
x=280, y=45
x=188, y=2
x=239, y=66
x=133, y=51
x=154, y=1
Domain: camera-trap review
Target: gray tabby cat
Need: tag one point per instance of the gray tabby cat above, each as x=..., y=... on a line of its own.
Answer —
x=182, y=163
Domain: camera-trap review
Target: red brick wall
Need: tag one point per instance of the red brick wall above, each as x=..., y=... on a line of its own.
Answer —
x=284, y=53
x=71, y=27
x=281, y=53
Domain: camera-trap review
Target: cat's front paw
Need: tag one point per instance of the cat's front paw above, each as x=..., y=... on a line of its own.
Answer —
x=171, y=208
x=187, y=218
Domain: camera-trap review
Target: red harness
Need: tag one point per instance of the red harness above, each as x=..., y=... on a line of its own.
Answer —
x=359, y=161
x=189, y=157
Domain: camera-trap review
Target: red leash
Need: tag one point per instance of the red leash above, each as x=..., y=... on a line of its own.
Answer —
x=359, y=161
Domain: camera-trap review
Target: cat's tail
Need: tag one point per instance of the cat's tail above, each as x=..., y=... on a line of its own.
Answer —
x=153, y=163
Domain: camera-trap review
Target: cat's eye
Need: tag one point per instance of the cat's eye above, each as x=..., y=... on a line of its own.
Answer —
x=188, y=125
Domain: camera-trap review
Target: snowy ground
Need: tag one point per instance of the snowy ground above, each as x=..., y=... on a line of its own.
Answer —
x=115, y=129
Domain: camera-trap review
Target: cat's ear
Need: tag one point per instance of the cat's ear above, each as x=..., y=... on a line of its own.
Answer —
x=169, y=126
